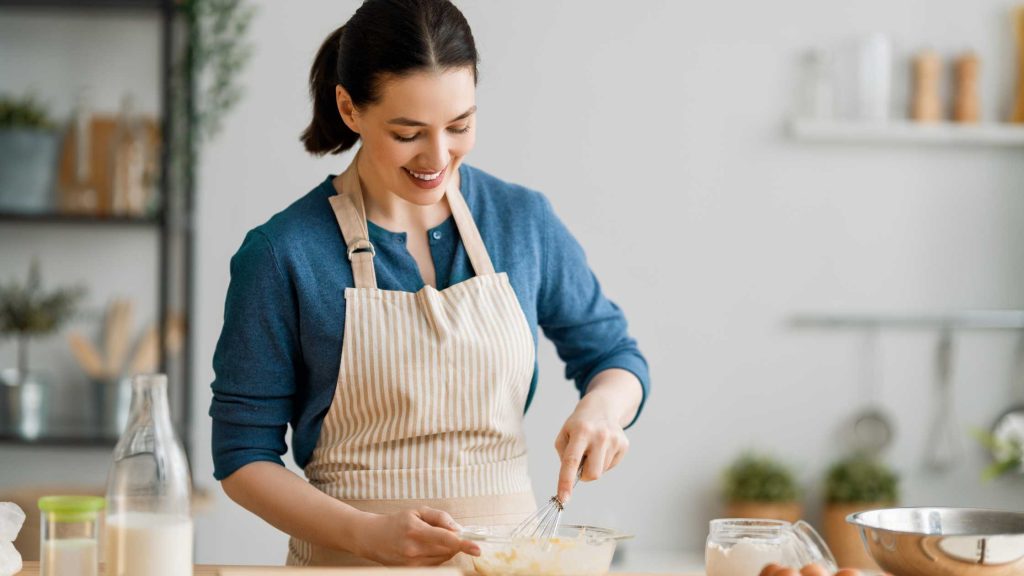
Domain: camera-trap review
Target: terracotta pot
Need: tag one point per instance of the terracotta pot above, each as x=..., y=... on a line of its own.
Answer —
x=788, y=511
x=844, y=538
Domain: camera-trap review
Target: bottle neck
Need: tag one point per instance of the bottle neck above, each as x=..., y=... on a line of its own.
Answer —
x=149, y=405
x=150, y=472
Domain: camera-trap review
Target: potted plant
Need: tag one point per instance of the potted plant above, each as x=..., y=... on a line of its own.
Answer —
x=758, y=486
x=1007, y=454
x=26, y=312
x=28, y=155
x=855, y=484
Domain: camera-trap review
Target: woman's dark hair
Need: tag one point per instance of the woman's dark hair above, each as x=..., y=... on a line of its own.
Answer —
x=383, y=38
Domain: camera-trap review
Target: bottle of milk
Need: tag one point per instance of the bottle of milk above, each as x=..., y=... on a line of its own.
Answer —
x=149, y=524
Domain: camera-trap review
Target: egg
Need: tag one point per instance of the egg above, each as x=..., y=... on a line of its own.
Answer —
x=771, y=569
x=813, y=570
x=848, y=572
x=787, y=572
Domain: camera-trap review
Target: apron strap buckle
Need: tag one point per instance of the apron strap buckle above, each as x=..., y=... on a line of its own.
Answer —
x=361, y=246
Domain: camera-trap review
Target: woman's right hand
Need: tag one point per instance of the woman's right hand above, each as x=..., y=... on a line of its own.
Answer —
x=420, y=537
x=809, y=570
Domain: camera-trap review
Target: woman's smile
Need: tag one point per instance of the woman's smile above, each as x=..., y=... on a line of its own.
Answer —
x=426, y=180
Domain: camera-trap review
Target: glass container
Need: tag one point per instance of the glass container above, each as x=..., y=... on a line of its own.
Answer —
x=149, y=523
x=743, y=547
x=69, y=535
x=572, y=551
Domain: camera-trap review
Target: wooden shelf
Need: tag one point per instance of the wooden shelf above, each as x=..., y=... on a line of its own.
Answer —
x=75, y=219
x=59, y=439
x=906, y=132
x=85, y=4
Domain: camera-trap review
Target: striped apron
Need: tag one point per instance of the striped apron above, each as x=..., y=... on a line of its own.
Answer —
x=431, y=390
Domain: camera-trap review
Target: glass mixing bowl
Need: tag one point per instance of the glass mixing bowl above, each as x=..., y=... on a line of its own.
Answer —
x=572, y=551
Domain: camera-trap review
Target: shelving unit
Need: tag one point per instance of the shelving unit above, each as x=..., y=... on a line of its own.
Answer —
x=172, y=222
x=70, y=438
x=949, y=320
x=80, y=220
x=85, y=4
x=902, y=132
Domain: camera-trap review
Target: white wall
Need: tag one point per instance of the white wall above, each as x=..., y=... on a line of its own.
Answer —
x=656, y=128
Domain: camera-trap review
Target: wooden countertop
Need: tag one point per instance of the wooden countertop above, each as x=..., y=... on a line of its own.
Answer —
x=32, y=569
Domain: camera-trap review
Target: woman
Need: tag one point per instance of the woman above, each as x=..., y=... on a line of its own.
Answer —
x=390, y=316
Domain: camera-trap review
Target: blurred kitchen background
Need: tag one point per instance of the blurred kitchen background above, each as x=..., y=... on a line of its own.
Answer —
x=812, y=212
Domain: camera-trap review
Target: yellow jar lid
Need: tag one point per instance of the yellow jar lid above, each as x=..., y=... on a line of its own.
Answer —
x=72, y=508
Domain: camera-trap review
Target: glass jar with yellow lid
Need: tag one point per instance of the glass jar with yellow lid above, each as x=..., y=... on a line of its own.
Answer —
x=68, y=544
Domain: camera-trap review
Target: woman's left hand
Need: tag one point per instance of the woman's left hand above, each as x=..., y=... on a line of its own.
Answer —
x=594, y=432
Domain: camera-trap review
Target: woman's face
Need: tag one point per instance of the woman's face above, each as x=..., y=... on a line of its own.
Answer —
x=416, y=135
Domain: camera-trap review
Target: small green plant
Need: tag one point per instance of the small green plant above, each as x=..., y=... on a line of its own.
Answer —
x=1008, y=455
x=26, y=311
x=23, y=113
x=759, y=478
x=206, y=82
x=861, y=479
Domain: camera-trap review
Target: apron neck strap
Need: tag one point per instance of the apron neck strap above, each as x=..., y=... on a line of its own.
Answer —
x=350, y=213
x=471, y=239
x=351, y=216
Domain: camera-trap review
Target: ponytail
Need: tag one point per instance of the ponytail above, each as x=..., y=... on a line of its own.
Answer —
x=384, y=38
x=327, y=133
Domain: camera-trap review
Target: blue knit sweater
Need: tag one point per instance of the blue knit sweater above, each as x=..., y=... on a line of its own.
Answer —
x=277, y=359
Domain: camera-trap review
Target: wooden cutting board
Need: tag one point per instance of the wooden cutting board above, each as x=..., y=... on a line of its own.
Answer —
x=286, y=571
x=32, y=569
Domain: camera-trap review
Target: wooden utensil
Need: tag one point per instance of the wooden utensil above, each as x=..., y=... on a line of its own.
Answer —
x=87, y=356
x=147, y=353
x=1018, y=108
x=174, y=334
x=118, y=327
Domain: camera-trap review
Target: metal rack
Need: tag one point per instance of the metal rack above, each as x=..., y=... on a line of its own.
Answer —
x=937, y=320
x=173, y=221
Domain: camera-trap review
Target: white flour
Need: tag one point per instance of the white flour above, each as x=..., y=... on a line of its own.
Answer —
x=745, y=558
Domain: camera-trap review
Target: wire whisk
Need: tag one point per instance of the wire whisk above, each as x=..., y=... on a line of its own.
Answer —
x=544, y=522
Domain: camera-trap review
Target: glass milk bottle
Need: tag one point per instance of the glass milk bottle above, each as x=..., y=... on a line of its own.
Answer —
x=149, y=525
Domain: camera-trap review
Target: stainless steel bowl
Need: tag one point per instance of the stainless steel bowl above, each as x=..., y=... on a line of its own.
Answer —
x=944, y=541
x=573, y=551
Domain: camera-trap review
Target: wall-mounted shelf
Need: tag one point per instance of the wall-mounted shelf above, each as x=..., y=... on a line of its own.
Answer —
x=906, y=132
x=76, y=438
x=951, y=320
x=57, y=218
x=85, y=4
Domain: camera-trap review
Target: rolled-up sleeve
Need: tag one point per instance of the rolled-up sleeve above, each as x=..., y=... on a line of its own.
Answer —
x=589, y=331
x=255, y=363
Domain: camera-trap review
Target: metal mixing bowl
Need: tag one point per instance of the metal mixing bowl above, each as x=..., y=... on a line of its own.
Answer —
x=573, y=551
x=944, y=541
